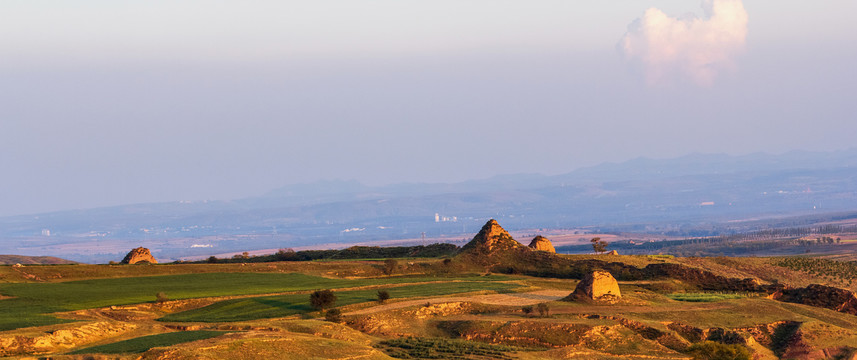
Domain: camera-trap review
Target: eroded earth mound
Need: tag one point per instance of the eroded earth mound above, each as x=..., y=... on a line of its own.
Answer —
x=139, y=255
x=542, y=243
x=599, y=286
x=492, y=238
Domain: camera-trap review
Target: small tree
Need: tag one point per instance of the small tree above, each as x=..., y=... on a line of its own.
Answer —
x=333, y=315
x=598, y=245
x=161, y=298
x=322, y=299
x=390, y=266
x=527, y=310
x=383, y=295
x=286, y=255
x=544, y=309
x=212, y=259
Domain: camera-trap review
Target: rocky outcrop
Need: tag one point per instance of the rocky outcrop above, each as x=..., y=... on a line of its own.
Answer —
x=820, y=296
x=442, y=309
x=598, y=286
x=492, y=238
x=62, y=339
x=613, y=252
x=139, y=255
x=543, y=244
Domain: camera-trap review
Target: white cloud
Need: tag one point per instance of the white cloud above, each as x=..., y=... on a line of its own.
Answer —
x=673, y=49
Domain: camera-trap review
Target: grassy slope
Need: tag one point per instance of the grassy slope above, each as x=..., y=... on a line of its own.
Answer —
x=285, y=305
x=143, y=343
x=22, y=259
x=32, y=300
x=268, y=346
x=738, y=313
x=60, y=273
x=764, y=268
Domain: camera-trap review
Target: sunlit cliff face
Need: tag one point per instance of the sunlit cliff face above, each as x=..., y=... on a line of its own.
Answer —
x=673, y=49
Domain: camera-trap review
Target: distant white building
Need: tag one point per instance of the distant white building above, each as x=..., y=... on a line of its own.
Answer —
x=438, y=218
x=46, y=232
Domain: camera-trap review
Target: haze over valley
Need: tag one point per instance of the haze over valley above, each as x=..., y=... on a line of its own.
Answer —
x=691, y=196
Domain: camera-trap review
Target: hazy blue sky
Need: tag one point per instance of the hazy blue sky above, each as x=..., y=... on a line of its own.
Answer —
x=111, y=102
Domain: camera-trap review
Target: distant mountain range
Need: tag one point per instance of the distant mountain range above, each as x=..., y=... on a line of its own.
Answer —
x=641, y=194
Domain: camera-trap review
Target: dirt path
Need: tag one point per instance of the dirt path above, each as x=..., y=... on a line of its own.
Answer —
x=514, y=299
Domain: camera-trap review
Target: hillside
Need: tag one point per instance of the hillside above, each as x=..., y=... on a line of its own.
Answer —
x=31, y=260
x=437, y=309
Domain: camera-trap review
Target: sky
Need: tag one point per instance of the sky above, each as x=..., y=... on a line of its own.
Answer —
x=108, y=102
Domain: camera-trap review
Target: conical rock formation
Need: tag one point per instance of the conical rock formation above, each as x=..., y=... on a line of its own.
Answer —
x=139, y=255
x=542, y=243
x=492, y=238
x=598, y=285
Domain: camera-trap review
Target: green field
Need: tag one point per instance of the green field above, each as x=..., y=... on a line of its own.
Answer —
x=285, y=305
x=143, y=343
x=32, y=302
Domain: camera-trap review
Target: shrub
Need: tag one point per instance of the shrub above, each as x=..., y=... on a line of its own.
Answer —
x=436, y=348
x=710, y=350
x=212, y=259
x=161, y=298
x=333, y=315
x=383, y=295
x=321, y=299
x=544, y=309
x=390, y=266
x=527, y=310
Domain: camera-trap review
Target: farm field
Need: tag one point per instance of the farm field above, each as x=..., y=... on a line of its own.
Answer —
x=29, y=302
